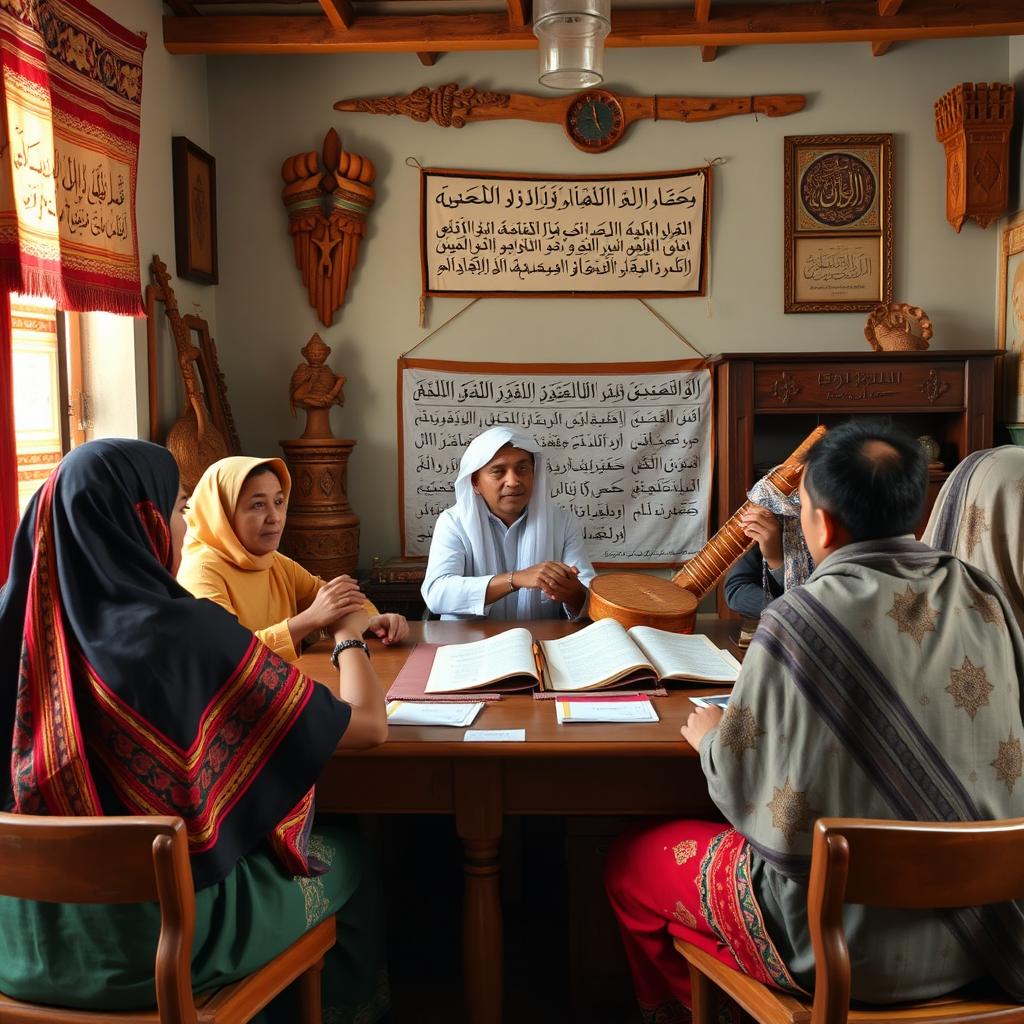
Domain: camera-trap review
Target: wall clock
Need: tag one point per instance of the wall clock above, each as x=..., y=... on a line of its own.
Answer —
x=594, y=121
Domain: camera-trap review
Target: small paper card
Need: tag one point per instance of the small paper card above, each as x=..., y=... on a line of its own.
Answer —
x=715, y=700
x=638, y=709
x=495, y=736
x=457, y=715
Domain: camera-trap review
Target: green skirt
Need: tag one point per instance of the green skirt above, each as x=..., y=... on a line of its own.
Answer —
x=101, y=957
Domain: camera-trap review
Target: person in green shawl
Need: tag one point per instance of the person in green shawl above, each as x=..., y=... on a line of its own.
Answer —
x=886, y=686
x=123, y=694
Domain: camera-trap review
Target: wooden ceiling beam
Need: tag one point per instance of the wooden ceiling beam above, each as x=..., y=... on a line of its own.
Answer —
x=340, y=14
x=886, y=8
x=517, y=16
x=840, y=22
x=701, y=15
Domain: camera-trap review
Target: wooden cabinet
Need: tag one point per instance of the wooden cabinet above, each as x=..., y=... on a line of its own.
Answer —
x=766, y=403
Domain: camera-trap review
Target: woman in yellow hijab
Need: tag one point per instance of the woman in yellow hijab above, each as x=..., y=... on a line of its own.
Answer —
x=235, y=520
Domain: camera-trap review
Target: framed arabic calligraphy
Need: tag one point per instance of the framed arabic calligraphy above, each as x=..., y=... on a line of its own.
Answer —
x=195, y=211
x=626, y=235
x=838, y=222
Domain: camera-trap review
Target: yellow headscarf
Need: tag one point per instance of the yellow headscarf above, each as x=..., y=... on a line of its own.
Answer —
x=212, y=509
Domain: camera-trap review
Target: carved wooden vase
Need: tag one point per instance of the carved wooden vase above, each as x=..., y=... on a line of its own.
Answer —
x=322, y=532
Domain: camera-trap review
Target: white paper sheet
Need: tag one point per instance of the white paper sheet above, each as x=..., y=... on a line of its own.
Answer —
x=458, y=715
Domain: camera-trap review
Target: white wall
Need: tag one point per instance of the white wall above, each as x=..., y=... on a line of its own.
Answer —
x=174, y=102
x=263, y=110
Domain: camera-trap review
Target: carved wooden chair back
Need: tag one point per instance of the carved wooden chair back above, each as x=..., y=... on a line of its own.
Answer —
x=117, y=860
x=898, y=864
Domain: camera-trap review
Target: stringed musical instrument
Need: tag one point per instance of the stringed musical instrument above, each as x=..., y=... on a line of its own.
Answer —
x=193, y=439
x=713, y=561
x=639, y=599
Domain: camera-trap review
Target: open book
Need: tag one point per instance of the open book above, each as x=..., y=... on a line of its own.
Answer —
x=602, y=655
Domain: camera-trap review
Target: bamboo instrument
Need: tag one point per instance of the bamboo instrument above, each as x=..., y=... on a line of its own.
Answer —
x=713, y=561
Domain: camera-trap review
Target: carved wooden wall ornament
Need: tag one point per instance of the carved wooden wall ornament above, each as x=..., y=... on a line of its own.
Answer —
x=973, y=122
x=594, y=120
x=327, y=209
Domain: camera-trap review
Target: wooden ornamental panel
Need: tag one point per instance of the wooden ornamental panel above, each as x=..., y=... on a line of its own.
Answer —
x=856, y=387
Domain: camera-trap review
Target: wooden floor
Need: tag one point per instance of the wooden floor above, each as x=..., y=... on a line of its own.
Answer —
x=421, y=859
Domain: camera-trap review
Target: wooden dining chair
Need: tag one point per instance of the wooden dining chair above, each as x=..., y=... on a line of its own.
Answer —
x=139, y=860
x=899, y=864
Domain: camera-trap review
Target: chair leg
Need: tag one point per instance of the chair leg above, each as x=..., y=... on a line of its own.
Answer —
x=701, y=996
x=310, y=1003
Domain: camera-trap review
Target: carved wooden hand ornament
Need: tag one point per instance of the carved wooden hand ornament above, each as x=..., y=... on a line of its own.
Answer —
x=327, y=210
x=594, y=120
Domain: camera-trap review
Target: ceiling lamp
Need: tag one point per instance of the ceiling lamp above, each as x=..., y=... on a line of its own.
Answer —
x=570, y=36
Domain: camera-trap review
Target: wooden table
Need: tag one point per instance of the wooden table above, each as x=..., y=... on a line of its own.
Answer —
x=580, y=769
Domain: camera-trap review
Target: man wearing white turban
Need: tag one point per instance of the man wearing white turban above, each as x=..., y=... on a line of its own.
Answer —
x=505, y=550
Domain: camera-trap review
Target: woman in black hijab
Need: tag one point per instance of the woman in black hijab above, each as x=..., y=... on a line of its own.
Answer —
x=125, y=695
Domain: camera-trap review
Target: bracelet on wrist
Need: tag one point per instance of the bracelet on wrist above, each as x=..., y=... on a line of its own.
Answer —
x=512, y=588
x=344, y=645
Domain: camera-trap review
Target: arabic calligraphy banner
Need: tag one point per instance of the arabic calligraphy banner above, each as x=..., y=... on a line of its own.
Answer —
x=72, y=92
x=496, y=234
x=627, y=447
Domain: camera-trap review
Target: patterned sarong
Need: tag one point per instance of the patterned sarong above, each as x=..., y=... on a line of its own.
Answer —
x=69, y=124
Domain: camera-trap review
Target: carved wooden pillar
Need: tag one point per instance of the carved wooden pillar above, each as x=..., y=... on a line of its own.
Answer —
x=322, y=532
x=973, y=122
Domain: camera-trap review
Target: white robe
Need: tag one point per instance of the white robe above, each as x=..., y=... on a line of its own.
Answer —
x=471, y=546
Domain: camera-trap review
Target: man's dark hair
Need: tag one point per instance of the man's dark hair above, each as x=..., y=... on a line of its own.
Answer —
x=871, y=477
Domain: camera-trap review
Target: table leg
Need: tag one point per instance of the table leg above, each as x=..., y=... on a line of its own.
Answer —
x=478, y=821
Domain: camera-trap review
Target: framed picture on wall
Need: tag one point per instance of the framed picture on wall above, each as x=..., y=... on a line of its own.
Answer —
x=838, y=222
x=1011, y=316
x=195, y=211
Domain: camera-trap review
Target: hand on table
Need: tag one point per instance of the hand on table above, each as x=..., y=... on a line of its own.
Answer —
x=699, y=724
x=390, y=628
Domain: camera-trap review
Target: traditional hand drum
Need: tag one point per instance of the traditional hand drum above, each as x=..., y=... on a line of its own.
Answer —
x=638, y=599
x=714, y=560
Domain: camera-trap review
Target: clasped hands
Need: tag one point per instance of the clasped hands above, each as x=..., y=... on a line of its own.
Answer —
x=556, y=580
x=338, y=605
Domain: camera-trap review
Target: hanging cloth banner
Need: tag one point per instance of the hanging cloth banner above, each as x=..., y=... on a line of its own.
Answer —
x=69, y=132
x=627, y=447
x=640, y=235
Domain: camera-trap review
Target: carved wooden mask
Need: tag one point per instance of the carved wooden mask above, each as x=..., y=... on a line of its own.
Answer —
x=327, y=208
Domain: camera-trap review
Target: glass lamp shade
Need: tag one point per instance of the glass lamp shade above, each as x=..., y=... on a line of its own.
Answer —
x=570, y=37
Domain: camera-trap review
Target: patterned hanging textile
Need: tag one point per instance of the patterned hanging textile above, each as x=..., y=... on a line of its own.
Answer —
x=70, y=104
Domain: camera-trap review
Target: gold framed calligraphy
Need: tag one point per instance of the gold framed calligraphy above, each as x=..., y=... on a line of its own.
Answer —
x=838, y=222
x=195, y=211
x=622, y=236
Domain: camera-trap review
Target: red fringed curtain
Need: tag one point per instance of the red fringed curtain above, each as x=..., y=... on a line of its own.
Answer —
x=70, y=109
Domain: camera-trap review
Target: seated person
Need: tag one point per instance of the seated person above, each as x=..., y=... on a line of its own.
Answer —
x=505, y=550
x=235, y=520
x=979, y=517
x=95, y=631
x=778, y=560
x=863, y=694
